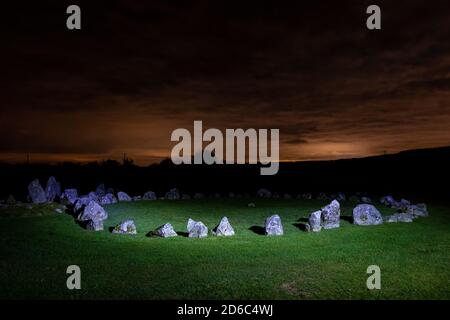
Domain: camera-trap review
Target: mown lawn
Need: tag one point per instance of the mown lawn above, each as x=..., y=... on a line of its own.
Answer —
x=414, y=258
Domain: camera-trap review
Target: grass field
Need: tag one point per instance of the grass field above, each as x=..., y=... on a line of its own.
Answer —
x=414, y=257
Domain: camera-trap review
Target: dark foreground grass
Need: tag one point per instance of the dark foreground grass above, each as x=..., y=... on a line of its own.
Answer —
x=414, y=258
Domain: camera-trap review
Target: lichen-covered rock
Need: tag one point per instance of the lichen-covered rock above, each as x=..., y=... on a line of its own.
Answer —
x=273, y=226
x=399, y=217
x=93, y=211
x=417, y=210
x=125, y=227
x=122, y=196
x=100, y=191
x=108, y=198
x=224, y=228
x=70, y=195
x=173, y=194
x=264, y=193
x=95, y=225
x=165, y=231
x=197, y=229
x=314, y=221
x=331, y=215
x=52, y=189
x=149, y=195
x=36, y=192
x=366, y=215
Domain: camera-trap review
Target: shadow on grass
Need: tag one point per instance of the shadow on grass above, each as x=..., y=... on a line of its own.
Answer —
x=303, y=219
x=183, y=234
x=300, y=226
x=258, y=230
x=349, y=219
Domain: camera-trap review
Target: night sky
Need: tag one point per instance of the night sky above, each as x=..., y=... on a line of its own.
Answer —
x=140, y=69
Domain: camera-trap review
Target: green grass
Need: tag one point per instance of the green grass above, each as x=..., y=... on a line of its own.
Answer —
x=35, y=251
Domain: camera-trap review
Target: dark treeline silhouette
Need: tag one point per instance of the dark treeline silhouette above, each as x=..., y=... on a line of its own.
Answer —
x=416, y=173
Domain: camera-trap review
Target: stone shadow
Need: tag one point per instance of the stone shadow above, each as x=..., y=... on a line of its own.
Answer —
x=258, y=230
x=349, y=219
x=300, y=226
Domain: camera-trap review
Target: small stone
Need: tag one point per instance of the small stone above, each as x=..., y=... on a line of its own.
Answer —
x=165, y=231
x=125, y=227
x=122, y=196
x=399, y=217
x=149, y=195
x=224, y=228
x=418, y=210
x=263, y=193
x=273, y=226
x=198, y=195
x=185, y=197
x=173, y=194
x=197, y=229
x=251, y=205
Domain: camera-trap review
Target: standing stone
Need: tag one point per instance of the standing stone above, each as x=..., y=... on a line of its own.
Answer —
x=165, y=231
x=331, y=215
x=71, y=195
x=224, y=228
x=307, y=196
x=125, y=227
x=93, y=211
x=264, y=193
x=173, y=194
x=122, y=196
x=418, y=210
x=95, y=225
x=93, y=196
x=197, y=229
x=340, y=196
x=36, y=193
x=82, y=202
x=314, y=221
x=273, y=226
x=366, y=200
x=388, y=201
x=53, y=189
x=366, y=215
x=100, y=191
x=108, y=198
x=149, y=195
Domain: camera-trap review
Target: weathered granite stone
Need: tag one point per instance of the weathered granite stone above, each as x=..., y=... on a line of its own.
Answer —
x=125, y=227
x=165, y=231
x=108, y=198
x=36, y=192
x=122, y=196
x=264, y=193
x=100, y=191
x=95, y=225
x=53, y=189
x=93, y=211
x=224, y=228
x=314, y=221
x=273, y=226
x=399, y=217
x=149, y=195
x=173, y=194
x=331, y=215
x=197, y=229
x=70, y=195
x=418, y=210
x=366, y=215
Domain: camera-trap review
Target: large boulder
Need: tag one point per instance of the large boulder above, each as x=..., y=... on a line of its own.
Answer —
x=366, y=215
x=197, y=229
x=331, y=215
x=52, y=189
x=122, y=196
x=165, y=231
x=173, y=194
x=70, y=195
x=82, y=202
x=264, y=193
x=273, y=226
x=36, y=192
x=95, y=225
x=417, y=210
x=149, y=195
x=93, y=211
x=125, y=227
x=314, y=221
x=224, y=228
x=399, y=217
x=100, y=191
x=108, y=198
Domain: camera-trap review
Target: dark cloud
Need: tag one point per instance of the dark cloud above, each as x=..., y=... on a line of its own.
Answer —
x=138, y=70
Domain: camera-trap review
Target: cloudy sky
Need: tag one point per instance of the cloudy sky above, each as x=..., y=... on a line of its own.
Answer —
x=140, y=69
